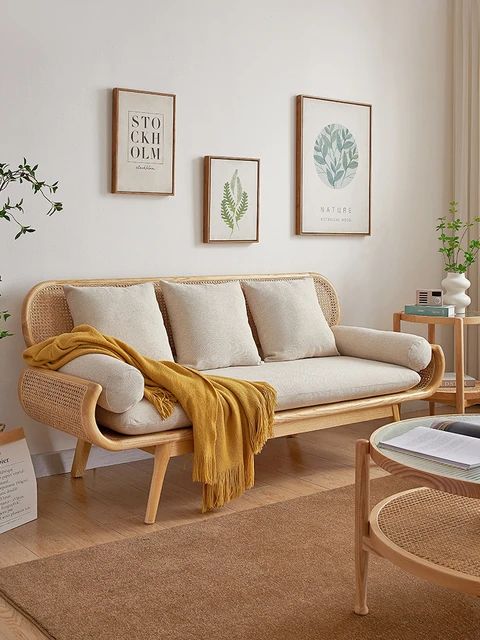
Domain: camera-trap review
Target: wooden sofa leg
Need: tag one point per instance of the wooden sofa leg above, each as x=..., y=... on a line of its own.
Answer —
x=80, y=459
x=396, y=412
x=160, y=463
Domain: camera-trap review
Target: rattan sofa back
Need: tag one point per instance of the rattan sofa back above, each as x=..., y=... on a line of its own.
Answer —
x=46, y=314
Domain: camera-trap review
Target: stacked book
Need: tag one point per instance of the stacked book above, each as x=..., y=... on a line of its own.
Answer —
x=441, y=310
x=449, y=380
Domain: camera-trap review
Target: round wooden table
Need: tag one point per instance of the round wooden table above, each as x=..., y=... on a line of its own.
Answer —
x=432, y=532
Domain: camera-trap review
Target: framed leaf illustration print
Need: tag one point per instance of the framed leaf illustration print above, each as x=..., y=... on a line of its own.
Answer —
x=231, y=199
x=143, y=142
x=333, y=167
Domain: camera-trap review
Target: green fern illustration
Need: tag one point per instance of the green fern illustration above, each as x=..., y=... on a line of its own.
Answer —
x=234, y=203
x=242, y=207
x=226, y=217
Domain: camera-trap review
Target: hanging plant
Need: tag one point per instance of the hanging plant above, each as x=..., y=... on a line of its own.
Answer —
x=10, y=211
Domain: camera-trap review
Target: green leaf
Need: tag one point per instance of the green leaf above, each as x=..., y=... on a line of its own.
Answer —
x=226, y=217
x=227, y=196
x=239, y=190
x=242, y=209
x=233, y=180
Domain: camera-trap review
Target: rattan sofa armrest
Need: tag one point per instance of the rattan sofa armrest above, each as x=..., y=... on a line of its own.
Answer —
x=431, y=377
x=61, y=401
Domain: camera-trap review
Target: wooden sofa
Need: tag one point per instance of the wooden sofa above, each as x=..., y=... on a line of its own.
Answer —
x=68, y=403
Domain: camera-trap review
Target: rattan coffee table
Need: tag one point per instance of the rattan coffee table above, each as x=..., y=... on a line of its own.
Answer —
x=432, y=532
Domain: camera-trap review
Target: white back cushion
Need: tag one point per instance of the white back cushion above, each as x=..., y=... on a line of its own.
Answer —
x=210, y=325
x=130, y=314
x=289, y=319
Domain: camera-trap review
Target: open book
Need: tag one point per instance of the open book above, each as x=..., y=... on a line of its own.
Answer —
x=440, y=446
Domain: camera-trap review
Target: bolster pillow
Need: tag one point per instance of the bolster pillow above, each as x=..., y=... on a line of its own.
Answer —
x=122, y=385
x=404, y=349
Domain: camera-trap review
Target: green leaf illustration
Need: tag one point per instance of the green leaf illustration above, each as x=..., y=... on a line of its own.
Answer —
x=335, y=156
x=239, y=190
x=233, y=180
x=243, y=206
x=234, y=204
x=228, y=198
x=226, y=217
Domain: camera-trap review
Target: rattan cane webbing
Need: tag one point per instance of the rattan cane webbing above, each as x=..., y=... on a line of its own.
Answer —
x=426, y=375
x=53, y=401
x=436, y=526
x=47, y=313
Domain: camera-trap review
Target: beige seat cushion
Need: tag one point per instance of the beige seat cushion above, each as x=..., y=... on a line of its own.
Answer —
x=122, y=385
x=210, y=325
x=289, y=319
x=299, y=383
x=130, y=314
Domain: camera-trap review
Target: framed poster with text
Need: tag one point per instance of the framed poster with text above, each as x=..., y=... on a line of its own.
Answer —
x=333, y=167
x=143, y=142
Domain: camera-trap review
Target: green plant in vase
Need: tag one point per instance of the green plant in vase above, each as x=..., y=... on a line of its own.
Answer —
x=459, y=253
x=11, y=211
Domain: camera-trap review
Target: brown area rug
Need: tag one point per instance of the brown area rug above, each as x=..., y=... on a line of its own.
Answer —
x=280, y=572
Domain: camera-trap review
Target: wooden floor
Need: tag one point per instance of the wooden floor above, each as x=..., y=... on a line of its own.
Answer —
x=109, y=503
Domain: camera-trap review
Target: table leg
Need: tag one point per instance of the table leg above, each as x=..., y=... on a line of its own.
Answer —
x=459, y=366
x=362, y=506
x=396, y=321
x=396, y=412
x=431, y=339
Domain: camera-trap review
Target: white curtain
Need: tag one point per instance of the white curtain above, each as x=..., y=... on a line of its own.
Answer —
x=466, y=141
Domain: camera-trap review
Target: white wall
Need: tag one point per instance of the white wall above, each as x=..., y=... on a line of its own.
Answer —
x=235, y=67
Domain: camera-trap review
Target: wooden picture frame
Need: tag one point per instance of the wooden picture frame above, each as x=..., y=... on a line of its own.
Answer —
x=333, y=167
x=143, y=142
x=231, y=201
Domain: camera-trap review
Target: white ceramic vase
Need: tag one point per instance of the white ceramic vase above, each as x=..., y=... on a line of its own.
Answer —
x=454, y=287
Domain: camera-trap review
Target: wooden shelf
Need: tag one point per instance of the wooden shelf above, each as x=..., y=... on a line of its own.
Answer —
x=448, y=395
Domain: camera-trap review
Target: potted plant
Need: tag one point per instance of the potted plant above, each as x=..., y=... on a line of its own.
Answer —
x=459, y=252
x=10, y=210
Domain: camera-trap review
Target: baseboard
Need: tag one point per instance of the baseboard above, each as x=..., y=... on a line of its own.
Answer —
x=58, y=462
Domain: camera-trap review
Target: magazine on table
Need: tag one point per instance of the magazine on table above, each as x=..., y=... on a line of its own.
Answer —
x=450, y=442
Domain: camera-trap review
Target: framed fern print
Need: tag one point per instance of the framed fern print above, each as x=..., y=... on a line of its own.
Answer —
x=231, y=199
x=333, y=167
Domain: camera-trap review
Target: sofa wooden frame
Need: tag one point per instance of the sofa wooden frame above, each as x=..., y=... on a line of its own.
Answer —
x=68, y=403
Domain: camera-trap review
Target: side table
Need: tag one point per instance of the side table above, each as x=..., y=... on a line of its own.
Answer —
x=431, y=532
x=459, y=396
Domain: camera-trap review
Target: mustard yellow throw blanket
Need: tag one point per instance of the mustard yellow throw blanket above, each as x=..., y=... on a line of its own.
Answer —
x=231, y=419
